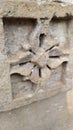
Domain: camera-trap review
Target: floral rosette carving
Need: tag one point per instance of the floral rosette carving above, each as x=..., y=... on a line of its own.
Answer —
x=36, y=61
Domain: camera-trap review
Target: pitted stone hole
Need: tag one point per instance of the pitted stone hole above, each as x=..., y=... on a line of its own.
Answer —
x=41, y=39
x=40, y=73
x=32, y=51
x=9, y=11
x=48, y=67
x=64, y=66
x=23, y=63
x=54, y=56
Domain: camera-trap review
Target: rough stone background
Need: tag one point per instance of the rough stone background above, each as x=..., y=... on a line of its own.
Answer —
x=55, y=113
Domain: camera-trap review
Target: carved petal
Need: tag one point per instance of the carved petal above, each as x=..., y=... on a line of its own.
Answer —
x=58, y=51
x=16, y=58
x=45, y=74
x=55, y=52
x=35, y=75
x=55, y=62
x=24, y=70
x=47, y=43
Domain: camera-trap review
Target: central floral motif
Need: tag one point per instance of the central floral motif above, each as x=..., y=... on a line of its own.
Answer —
x=40, y=60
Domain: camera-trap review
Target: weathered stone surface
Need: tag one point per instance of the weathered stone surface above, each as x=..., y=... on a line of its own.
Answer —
x=37, y=41
x=36, y=65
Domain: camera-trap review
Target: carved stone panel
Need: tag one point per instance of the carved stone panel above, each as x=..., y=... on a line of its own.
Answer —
x=38, y=52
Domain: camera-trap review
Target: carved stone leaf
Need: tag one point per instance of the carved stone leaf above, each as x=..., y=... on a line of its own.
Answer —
x=24, y=70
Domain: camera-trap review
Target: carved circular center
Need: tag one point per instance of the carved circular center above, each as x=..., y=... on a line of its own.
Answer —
x=40, y=58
